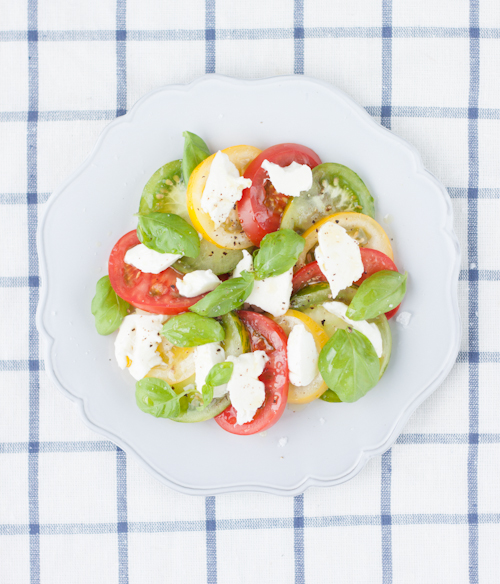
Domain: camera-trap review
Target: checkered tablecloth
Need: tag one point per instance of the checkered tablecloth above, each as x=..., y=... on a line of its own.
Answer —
x=73, y=507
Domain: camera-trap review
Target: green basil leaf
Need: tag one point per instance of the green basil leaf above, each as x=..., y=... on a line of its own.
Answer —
x=349, y=364
x=228, y=296
x=378, y=294
x=207, y=393
x=278, y=253
x=168, y=233
x=220, y=373
x=192, y=330
x=107, y=307
x=156, y=397
x=195, y=151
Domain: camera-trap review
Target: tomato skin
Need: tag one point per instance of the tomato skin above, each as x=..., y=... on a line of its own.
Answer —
x=268, y=336
x=308, y=274
x=373, y=261
x=156, y=293
x=241, y=156
x=261, y=207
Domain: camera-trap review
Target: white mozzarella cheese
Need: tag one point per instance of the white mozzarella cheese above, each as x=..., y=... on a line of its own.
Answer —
x=148, y=260
x=302, y=356
x=338, y=257
x=137, y=340
x=246, y=392
x=205, y=357
x=289, y=180
x=196, y=283
x=271, y=294
x=223, y=189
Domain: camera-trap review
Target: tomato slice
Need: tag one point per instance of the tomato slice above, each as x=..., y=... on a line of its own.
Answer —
x=267, y=336
x=261, y=207
x=373, y=261
x=308, y=274
x=230, y=235
x=365, y=230
x=155, y=293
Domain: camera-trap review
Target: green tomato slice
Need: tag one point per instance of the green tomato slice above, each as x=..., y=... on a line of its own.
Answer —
x=311, y=295
x=335, y=188
x=211, y=257
x=237, y=340
x=315, y=294
x=189, y=413
x=165, y=192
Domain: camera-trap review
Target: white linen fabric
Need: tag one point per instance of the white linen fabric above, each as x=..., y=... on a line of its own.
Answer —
x=73, y=507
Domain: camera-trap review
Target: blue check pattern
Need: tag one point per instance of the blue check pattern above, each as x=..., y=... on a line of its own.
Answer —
x=73, y=508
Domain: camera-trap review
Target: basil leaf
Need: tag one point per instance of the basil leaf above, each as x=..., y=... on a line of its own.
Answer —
x=378, y=294
x=207, y=393
x=228, y=296
x=220, y=373
x=107, y=307
x=168, y=233
x=349, y=364
x=156, y=397
x=278, y=253
x=195, y=151
x=192, y=330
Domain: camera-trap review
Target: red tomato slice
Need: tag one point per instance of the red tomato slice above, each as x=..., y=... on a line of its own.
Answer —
x=261, y=207
x=155, y=293
x=267, y=336
x=308, y=274
x=373, y=261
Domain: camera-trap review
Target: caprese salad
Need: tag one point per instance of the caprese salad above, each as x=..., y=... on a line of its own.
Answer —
x=254, y=278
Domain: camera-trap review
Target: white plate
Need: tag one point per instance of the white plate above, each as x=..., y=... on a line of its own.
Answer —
x=95, y=207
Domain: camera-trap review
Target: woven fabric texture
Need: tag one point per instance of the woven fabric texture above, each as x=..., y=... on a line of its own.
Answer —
x=73, y=507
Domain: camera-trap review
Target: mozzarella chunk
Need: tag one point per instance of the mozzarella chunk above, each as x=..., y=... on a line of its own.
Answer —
x=223, y=189
x=369, y=329
x=246, y=392
x=338, y=257
x=404, y=318
x=148, y=260
x=197, y=282
x=289, y=180
x=137, y=340
x=273, y=294
x=205, y=357
x=245, y=264
x=302, y=356
x=249, y=364
x=270, y=294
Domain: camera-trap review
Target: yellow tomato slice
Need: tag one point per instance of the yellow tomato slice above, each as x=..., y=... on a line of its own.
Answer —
x=365, y=230
x=178, y=363
x=229, y=235
x=304, y=395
